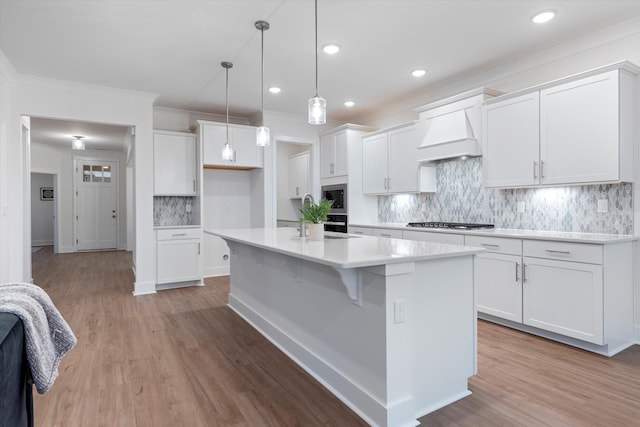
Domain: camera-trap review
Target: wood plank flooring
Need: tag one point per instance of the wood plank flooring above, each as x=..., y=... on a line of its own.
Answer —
x=183, y=358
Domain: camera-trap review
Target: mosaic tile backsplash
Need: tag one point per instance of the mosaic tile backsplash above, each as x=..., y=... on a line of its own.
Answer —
x=460, y=197
x=171, y=210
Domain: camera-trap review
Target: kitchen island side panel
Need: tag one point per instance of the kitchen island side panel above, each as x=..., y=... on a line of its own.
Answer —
x=389, y=373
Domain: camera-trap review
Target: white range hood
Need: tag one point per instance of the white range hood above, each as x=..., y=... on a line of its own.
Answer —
x=451, y=128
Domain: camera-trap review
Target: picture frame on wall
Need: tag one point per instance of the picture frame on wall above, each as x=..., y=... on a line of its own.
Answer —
x=46, y=193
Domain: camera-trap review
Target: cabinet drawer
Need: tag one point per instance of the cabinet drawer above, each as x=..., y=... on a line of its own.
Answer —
x=502, y=245
x=578, y=252
x=360, y=230
x=178, y=233
x=434, y=237
x=386, y=232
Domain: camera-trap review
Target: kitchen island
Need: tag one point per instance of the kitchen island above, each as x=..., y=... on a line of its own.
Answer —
x=387, y=325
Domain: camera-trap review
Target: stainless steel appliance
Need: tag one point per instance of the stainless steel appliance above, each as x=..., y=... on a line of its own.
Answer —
x=336, y=223
x=337, y=193
x=449, y=225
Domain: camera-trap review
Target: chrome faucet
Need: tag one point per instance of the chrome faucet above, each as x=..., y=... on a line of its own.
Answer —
x=303, y=232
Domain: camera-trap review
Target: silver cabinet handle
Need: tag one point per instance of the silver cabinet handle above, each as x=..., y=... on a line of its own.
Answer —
x=358, y=232
x=524, y=273
x=541, y=169
x=489, y=245
x=557, y=252
x=517, y=268
x=385, y=235
x=535, y=170
x=198, y=248
x=332, y=168
x=179, y=234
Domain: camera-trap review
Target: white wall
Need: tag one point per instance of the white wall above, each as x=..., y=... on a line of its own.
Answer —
x=226, y=204
x=59, y=160
x=48, y=98
x=42, y=211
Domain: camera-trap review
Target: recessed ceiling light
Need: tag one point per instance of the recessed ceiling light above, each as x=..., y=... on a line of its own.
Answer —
x=274, y=89
x=349, y=103
x=418, y=72
x=544, y=16
x=331, y=49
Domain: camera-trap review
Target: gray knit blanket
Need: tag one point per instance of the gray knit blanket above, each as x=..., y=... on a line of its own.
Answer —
x=48, y=336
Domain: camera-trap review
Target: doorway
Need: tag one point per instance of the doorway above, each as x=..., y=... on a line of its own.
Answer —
x=96, y=204
x=44, y=211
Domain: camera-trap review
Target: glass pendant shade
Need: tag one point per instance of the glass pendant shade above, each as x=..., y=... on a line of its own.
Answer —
x=317, y=111
x=77, y=144
x=263, y=136
x=227, y=152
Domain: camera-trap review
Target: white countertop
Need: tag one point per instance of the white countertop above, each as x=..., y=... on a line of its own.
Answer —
x=353, y=252
x=596, y=238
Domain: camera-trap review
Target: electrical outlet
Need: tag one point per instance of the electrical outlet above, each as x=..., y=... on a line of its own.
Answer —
x=520, y=207
x=603, y=205
x=399, y=311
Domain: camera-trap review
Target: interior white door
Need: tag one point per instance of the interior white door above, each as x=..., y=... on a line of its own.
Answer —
x=96, y=204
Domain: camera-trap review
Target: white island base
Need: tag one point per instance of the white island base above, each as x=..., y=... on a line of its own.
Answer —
x=396, y=342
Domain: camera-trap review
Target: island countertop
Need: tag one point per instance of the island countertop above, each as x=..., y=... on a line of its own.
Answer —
x=339, y=250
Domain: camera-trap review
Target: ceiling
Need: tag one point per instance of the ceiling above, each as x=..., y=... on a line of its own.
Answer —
x=174, y=48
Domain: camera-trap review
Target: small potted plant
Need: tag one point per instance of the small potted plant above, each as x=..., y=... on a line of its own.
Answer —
x=315, y=214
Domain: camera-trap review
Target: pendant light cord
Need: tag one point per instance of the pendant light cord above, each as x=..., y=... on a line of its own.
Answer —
x=227, y=102
x=316, y=21
x=262, y=77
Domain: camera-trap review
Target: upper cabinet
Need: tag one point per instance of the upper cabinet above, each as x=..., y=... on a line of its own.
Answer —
x=174, y=164
x=574, y=131
x=299, y=175
x=389, y=162
x=247, y=155
x=334, y=154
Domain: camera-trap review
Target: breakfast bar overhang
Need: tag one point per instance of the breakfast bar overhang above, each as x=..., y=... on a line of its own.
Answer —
x=387, y=325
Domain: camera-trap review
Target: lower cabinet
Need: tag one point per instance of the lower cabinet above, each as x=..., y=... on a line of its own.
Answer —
x=179, y=256
x=581, y=293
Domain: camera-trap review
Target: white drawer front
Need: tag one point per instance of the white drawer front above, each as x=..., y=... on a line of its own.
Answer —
x=178, y=233
x=435, y=237
x=578, y=252
x=501, y=245
x=386, y=232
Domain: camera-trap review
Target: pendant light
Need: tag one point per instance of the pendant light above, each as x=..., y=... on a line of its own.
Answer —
x=227, y=151
x=317, y=105
x=77, y=143
x=263, y=135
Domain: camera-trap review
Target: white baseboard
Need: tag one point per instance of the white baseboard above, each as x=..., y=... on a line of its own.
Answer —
x=66, y=249
x=41, y=242
x=144, y=288
x=216, y=271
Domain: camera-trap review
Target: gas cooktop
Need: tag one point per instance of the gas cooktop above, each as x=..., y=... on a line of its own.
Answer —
x=450, y=225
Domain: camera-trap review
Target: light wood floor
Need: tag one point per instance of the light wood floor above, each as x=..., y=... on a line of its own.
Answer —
x=182, y=358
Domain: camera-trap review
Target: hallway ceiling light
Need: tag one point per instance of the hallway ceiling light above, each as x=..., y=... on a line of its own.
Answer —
x=77, y=143
x=227, y=151
x=349, y=104
x=317, y=105
x=543, y=16
x=275, y=89
x=263, y=136
x=418, y=72
x=331, y=49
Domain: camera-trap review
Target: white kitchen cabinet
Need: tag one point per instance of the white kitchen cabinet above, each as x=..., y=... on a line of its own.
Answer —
x=299, y=175
x=247, y=155
x=435, y=237
x=387, y=232
x=498, y=277
x=174, y=164
x=390, y=164
x=363, y=231
x=179, y=256
x=572, y=131
x=511, y=142
x=334, y=154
